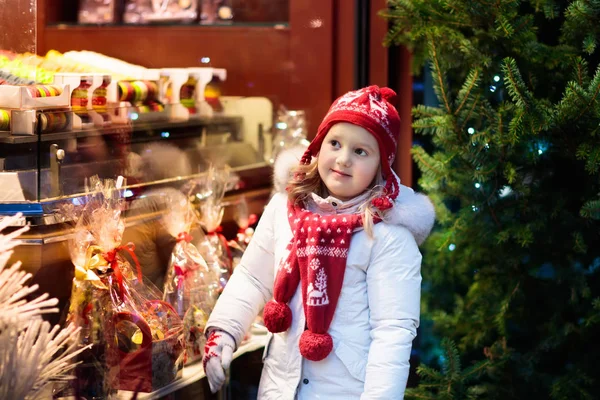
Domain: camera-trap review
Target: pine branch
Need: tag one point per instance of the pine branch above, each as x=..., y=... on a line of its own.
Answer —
x=468, y=116
x=514, y=82
x=465, y=92
x=594, y=89
x=591, y=210
x=438, y=74
x=421, y=158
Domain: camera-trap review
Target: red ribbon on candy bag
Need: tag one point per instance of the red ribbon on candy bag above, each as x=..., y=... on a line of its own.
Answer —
x=111, y=258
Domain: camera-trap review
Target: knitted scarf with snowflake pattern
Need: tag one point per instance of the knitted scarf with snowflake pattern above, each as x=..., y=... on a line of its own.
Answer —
x=317, y=257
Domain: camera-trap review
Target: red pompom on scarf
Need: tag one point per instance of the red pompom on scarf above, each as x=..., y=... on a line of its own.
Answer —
x=317, y=260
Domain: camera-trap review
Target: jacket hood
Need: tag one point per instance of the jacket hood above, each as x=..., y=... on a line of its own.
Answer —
x=412, y=210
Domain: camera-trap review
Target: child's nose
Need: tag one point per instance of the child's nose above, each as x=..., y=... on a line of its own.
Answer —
x=344, y=158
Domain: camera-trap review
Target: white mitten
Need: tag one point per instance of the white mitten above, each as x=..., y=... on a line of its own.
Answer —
x=218, y=353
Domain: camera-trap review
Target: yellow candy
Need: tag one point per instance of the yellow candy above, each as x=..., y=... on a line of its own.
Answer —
x=4, y=120
x=137, y=337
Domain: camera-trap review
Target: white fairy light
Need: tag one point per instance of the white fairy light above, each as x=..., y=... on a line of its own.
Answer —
x=505, y=191
x=452, y=247
x=477, y=185
x=471, y=130
x=496, y=78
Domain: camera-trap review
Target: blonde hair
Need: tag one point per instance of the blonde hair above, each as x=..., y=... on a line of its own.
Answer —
x=306, y=180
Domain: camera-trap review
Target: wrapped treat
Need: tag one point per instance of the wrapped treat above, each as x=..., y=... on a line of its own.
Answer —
x=216, y=11
x=191, y=287
x=136, y=337
x=97, y=11
x=244, y=221
x=148, y=11
x=290, y=131
x=214, y=246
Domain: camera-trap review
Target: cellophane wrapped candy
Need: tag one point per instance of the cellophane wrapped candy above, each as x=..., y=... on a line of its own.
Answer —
x=244, y=220
x=213, y=246
x=136, y=337
x=191, y=287
x=290, y=131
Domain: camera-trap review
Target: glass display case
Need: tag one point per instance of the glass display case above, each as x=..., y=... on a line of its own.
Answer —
x=47, y=169
x=158, y=129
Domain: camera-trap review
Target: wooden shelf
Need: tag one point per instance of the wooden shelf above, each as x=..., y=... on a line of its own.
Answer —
x=257, y=56
x=231, y=26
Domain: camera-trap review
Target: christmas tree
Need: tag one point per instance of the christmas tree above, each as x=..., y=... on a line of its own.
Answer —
x=511, y=274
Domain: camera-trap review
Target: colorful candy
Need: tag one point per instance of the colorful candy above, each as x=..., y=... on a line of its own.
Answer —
x=99, y=99
x=44, y=90
x=79, y=97
x=53, y=121
x=137, y=91
x=4, y=120
x=187, y=94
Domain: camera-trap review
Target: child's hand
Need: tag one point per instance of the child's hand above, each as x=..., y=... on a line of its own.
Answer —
x=218, y=353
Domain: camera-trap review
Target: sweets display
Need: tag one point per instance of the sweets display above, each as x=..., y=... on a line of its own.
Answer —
x=137, y=91
x=187, y=95
x=27, y=110
x=99, y=91
x=244, y=221
x=34, y=96
x=98, y=11
x=191, y=287
x=138, y=334
x=44, y=90
x=214, y=11
x=213, y=247
x=142, y=95
x=148, y=11
x=212, y=93
x=6, y=78
x=57, y=121
x=4, y=120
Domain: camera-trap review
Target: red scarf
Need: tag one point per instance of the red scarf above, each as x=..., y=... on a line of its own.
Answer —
x=317, y=257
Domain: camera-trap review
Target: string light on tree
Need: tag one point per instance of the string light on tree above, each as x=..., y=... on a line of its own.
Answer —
x=493, y=88
x=496, y=78
x=474, y=208
x=540, y=147
x=505, y=191
x=451, y=247
x=477, y=185
x=471, y=130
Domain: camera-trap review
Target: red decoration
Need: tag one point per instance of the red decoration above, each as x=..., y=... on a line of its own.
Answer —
x=315, y=346
x=277, y=316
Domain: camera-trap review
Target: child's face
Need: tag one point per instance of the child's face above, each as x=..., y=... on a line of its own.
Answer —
x=348, y=160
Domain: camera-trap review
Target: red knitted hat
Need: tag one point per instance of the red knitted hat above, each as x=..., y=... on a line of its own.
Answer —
x=370, y=108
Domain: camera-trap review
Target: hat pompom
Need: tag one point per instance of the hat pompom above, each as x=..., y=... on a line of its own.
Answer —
x=315, y=346
x=277, y=316
x=388, y=94
x=382, y=203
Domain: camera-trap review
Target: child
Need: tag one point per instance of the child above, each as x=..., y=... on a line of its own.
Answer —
x=335, y=263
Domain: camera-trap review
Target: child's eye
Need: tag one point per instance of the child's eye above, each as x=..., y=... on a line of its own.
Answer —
x=361, y=152
x=335, y=143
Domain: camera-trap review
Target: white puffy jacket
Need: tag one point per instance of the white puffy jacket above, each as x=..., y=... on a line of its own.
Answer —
x=375, y=320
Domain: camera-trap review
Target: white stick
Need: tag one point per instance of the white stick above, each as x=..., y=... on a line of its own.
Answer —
x=32, y=353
